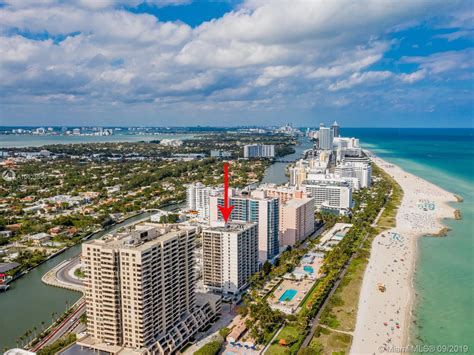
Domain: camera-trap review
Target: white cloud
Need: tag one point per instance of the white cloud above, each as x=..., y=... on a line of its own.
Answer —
x=444, y=62
x=361, y=78
x=264, y=54
x=452, y=36
x=413, y=77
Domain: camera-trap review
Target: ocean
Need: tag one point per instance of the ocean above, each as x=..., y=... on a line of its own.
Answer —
x=444, y=276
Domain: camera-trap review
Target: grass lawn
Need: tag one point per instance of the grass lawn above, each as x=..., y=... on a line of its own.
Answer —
x=388, y=218
x=330, y=342
x=287, y=332
x=341, y=310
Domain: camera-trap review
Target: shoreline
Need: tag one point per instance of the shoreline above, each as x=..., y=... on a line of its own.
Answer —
x=393, y=261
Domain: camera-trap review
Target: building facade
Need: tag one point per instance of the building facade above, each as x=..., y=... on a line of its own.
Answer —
x=259, y=151
x=197, y=198
x=325, y=138
x=361, y=170
x=255, y=207
x=139, y=289
x=230, y=257
x=220, y=154
x=297, y=220
x=330, y=194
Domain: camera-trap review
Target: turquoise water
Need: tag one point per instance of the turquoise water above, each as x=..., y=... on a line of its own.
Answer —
x=444, y=278
x=308, y=269
x=288, y=295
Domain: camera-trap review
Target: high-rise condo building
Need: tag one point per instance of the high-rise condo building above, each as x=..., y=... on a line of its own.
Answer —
x=296, y=212
x=229, y=257
x=298, y=174
x=259, y=151
x=297, y=220
x=197, y=198
x=140, y=294
x=253, y=208
x=325, y=138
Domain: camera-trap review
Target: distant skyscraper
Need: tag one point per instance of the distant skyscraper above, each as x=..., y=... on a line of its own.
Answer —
x=335, y=129
x=259, y=151
x=325, y=138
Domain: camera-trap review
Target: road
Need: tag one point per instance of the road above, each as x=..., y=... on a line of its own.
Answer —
x=64, y=273
x=71, y=323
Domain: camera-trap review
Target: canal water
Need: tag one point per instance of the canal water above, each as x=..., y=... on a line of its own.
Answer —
x=29, y=301
x=276, y=173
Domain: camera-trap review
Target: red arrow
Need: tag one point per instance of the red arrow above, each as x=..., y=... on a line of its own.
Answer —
x=226, y=210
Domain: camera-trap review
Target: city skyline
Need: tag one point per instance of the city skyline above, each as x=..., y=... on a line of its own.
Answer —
x=132, y=63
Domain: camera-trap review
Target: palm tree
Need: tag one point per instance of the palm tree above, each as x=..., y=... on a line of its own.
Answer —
x=27, y=334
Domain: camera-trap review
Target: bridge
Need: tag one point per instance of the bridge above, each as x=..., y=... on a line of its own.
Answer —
x=284, y=161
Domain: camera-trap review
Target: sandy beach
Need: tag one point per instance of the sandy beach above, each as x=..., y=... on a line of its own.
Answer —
x=383, y=318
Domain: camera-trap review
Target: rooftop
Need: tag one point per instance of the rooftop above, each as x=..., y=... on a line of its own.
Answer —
x=229, y=227
x=142, y=236
x=4, y=267
x=39, y=236
x=297, y=202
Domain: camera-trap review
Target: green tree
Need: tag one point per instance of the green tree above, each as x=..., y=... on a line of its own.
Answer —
x=267, y=267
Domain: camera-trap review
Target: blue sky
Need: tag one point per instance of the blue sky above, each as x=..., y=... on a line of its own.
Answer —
x=181, y=62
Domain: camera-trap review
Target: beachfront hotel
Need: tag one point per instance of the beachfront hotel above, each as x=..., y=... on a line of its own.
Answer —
x=333, y=196
x=229, y=257
x=140, y=291
x=352, y=168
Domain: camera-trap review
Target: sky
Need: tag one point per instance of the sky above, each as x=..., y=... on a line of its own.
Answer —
x=367, y=63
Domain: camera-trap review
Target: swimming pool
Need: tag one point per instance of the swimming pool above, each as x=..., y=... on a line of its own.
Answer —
x=288, y=295
x=308, y=269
